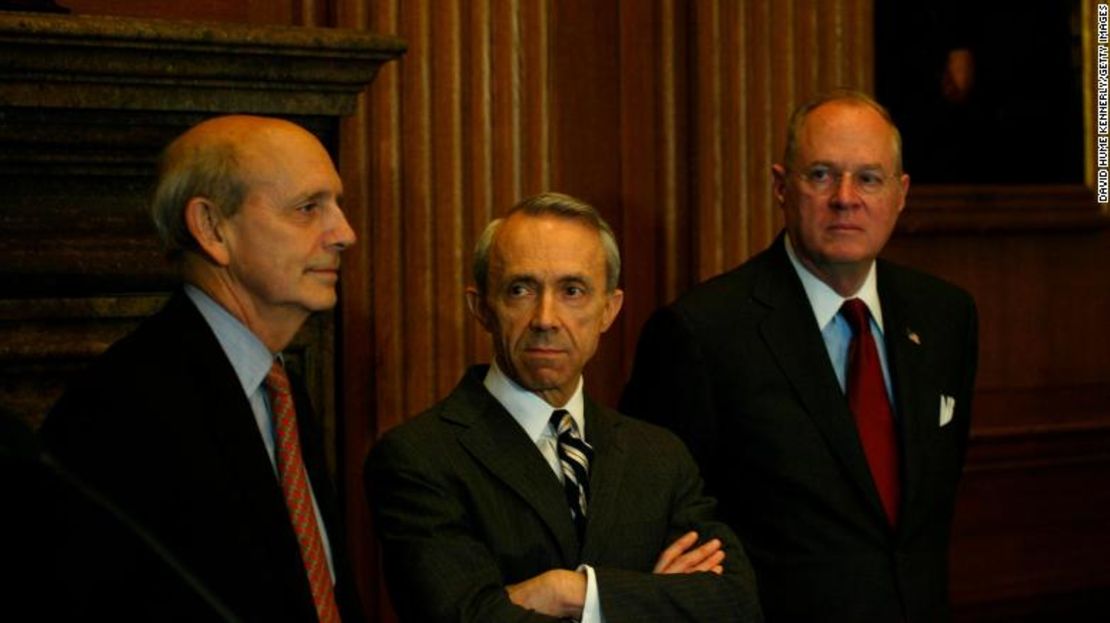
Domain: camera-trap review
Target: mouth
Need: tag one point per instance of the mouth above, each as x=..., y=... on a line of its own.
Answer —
x=844, y=227
x=325, y=272
x=543, y=351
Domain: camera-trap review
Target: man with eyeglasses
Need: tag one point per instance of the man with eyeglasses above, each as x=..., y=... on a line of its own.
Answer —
x=825, y=393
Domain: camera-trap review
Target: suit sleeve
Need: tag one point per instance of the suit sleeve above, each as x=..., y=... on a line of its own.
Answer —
x=436, y=567
x=644, y=596
x=671, y=384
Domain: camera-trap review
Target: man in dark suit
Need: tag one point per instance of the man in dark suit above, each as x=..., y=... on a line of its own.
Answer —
x=190, y=425
x=517, y=498
x=825, y=394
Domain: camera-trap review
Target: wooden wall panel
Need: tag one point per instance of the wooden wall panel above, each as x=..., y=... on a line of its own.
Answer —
x=460, y=130
x=654, y=148
x=1031, y=523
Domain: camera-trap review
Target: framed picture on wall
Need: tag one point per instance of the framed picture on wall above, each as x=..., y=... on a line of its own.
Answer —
x=992, y=101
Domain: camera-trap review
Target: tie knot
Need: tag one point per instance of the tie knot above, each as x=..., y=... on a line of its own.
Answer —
x=562, y=422
x=276, y=380
x=858, y=316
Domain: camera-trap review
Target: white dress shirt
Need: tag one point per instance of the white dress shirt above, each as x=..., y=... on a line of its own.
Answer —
x=534, y=416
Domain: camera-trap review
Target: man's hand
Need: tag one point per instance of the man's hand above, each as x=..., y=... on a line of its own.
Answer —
x=558, y=593
x=679, y=558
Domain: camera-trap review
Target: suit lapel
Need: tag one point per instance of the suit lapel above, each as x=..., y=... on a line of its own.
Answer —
x=904, y=359
x=606, y=474
x=227, y=417
x=791, y=334
x=494, y=439
x=232, y=425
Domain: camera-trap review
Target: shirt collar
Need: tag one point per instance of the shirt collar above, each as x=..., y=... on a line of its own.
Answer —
x=825, y=301
x=529, y=410
x=249, y=357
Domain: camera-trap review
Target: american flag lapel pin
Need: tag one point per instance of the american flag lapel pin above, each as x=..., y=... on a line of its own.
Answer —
x=914, y=337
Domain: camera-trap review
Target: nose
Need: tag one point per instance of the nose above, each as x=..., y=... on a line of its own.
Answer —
x=845, y=194
x=341, y=235
x=543, y=316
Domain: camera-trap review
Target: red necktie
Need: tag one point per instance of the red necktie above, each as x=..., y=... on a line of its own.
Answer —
x=868, y=401
x=298, y=499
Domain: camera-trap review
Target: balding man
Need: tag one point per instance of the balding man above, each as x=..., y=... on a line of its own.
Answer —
x=190, y=424
x=826, y=394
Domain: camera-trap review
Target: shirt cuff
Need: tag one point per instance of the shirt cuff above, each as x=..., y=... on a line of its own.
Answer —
x=591, y=611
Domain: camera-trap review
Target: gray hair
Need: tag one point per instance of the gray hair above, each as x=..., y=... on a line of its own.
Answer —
x=851, y=96
x=561, y=206
x=186, y=170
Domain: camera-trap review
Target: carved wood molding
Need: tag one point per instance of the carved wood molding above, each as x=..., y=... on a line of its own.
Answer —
x=102, y=62
x=985, y=209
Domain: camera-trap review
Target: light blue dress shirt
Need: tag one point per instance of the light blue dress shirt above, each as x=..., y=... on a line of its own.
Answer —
x=835, y=330
x=251, y=361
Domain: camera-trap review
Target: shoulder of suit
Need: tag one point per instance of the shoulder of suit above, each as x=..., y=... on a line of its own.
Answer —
x=426, y=423
x=720, y=298
x=444, y=418
x=141, y=369
x=156, y=344
x=916, y=286
x=642, y=433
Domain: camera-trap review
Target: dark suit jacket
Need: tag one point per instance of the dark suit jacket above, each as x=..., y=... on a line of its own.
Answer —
x=465, y=505
x=161, y=427
x=737, y=367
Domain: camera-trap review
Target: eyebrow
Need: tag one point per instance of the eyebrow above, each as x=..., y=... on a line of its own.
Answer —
x=532, y=279
x=831, y=165
x=523, y=277
x=319, y=195
x=576, y=278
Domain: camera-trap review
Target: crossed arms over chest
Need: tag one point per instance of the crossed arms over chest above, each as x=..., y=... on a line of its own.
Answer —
x=465, y=510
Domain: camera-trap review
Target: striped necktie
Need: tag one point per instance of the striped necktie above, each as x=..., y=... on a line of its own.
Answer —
x=574, y=459
x=298, y=498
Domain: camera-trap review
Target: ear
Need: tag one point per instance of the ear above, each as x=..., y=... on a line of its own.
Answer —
x=613, y=302
x=779, y=173
x=476, y=303
x=203, y=219
x=904, y=181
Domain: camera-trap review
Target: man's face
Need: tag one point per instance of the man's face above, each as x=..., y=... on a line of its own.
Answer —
x=842, y=196
x=284, y=242
x=545, y=303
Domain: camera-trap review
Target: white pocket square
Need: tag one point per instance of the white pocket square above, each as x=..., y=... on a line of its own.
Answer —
x=947, y=409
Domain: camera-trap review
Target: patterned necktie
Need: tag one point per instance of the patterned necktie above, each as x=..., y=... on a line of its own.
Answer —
x=868, y=401
x=298, y=499
x=574, y=459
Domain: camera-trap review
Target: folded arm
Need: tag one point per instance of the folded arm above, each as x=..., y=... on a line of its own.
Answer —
x=713, y=582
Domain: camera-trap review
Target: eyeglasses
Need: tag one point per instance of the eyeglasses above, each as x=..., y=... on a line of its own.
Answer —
x=823, y=179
